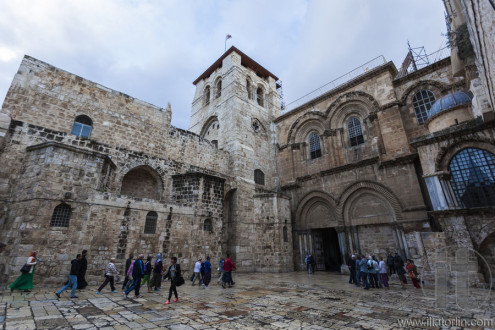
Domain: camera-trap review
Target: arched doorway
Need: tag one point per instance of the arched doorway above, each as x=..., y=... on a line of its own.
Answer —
x=487, y=251
x=316, y=234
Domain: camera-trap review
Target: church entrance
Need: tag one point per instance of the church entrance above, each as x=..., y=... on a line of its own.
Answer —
x=326, y=249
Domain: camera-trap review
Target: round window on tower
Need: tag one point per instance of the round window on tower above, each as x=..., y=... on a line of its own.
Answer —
x=256, y=125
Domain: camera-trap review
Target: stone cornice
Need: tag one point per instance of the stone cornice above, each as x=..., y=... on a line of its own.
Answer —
x=457, y=212
x=199, y=174
x=421, y=72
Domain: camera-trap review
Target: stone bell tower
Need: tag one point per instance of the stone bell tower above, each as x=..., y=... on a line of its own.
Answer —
x=234, y=106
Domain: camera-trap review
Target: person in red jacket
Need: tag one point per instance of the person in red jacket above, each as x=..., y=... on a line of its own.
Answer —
x=228, y=266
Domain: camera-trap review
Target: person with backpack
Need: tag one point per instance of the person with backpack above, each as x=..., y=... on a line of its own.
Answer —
x=156, y=281
x=175, y=276
x=25, y=280
x=110, y=273
x=312, y=264
x=363, y=270
x=147, y=273
x=220, y=270
x=372, y=273
x=137, y=275
x=127, y=265
x=74, y=271
x=207, y=276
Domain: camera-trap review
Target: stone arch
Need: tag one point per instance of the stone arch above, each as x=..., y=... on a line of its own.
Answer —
x=142, y=182
x=299, y=127
x=210, y=129
x=435, y=86
x=487, y=251
x=446, y=153
x=373, y=189
x=365, y=105
x=314, y=206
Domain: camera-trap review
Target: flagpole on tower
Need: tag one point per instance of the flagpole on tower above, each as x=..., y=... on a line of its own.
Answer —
x=227, y=37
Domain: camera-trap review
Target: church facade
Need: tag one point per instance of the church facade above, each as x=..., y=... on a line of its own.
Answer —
x=392, y=160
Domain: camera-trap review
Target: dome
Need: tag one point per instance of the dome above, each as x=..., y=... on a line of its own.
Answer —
x=448, y=102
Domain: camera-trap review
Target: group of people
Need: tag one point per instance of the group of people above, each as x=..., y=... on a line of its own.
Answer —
x=202, y=272
x=374, y=272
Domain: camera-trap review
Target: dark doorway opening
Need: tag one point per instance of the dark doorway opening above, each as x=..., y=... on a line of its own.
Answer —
x=327, y=250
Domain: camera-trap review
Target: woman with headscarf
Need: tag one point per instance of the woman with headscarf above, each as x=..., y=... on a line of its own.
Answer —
x=156, y=281
x=413, y=273
x=25, y=281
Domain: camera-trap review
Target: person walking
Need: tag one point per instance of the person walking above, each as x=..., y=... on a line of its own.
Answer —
x=197, y=271
x=399, y=269
x=25, y=280
x=363, y=270
x=207, y=277
x=358, y=270
x=74, y=271
x=128, y=263
x=156, y=281
x=312, y=263
x=390, y=264
x=351, y=264
x=413, y=273
x=173, y=274
x=382, y=270
x=377, y=268
x=81, y=280
x=147, y=273
x=137, y=275
x=221, y=271
x=228, y=266
x=372, y=273
x=110, y=274
x=202, y=273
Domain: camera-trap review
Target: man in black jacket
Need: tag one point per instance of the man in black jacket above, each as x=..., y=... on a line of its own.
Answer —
x=74, y=271
x=81, y=281
x=137, y=275
x=351, y=263
x=127, y=265
x=173, y=274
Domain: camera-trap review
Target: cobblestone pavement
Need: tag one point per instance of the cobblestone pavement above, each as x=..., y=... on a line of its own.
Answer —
x=292, y=301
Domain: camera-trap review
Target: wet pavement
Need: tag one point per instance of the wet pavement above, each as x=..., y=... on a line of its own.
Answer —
x=269, y=301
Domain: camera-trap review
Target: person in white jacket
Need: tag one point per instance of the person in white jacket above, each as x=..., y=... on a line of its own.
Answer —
x=110, y=273
x=197, y=272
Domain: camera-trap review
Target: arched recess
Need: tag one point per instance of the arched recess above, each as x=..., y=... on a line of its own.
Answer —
x=445, y=154
x=142, y=182
x=435, y=86
x=299, y=128
x=316, y=210
x=362, y=103
x=487, y=251
x=210, y=129
x=229, y=238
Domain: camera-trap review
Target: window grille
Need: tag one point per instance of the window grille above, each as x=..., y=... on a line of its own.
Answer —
x=150, y=224
x=422, y=102
x=259, y=177
x=207, y=225
x=82, y=126
x=61, y=216
x=473, y=177
x=314, y=146
x=355, y=132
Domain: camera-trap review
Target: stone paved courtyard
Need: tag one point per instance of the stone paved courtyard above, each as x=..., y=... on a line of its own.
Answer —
x=271, y=301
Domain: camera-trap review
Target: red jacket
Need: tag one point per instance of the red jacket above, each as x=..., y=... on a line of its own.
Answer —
x=228, y=265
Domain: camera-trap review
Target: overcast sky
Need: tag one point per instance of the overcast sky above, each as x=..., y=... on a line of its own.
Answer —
x=154, y=50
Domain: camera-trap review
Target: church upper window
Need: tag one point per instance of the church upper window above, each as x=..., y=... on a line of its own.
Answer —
x=314, y=146
x=355, y=131
x=219, y=89
x=260, y=96
x=83, y=125
x=422, y=102
x=206, y=96
x=249, y=88
x=259, y=177
x=473, y=177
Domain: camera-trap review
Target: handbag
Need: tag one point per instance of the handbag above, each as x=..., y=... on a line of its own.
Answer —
x=179, y=281
x=26, y=269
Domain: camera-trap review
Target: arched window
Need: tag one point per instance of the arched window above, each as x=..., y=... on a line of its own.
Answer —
x=249, y=89
x=61, y=216
x=355, y=132
x=150, y=224
x=259, y=177
x=206, y=96
x=286, y=234
x=207, y=225
x=260, y=96
x=82, y=126
x=473, y=177
x=422, y=102
x=219, y=88
x=314, y=146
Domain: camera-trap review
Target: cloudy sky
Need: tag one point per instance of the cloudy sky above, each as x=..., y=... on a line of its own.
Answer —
x=153, y=50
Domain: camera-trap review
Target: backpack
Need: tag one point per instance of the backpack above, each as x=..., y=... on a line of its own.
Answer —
x=370, y=265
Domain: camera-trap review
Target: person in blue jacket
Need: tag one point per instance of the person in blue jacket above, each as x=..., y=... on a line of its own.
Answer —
x=137, y=276
x=207, y=276
x=363, y=269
